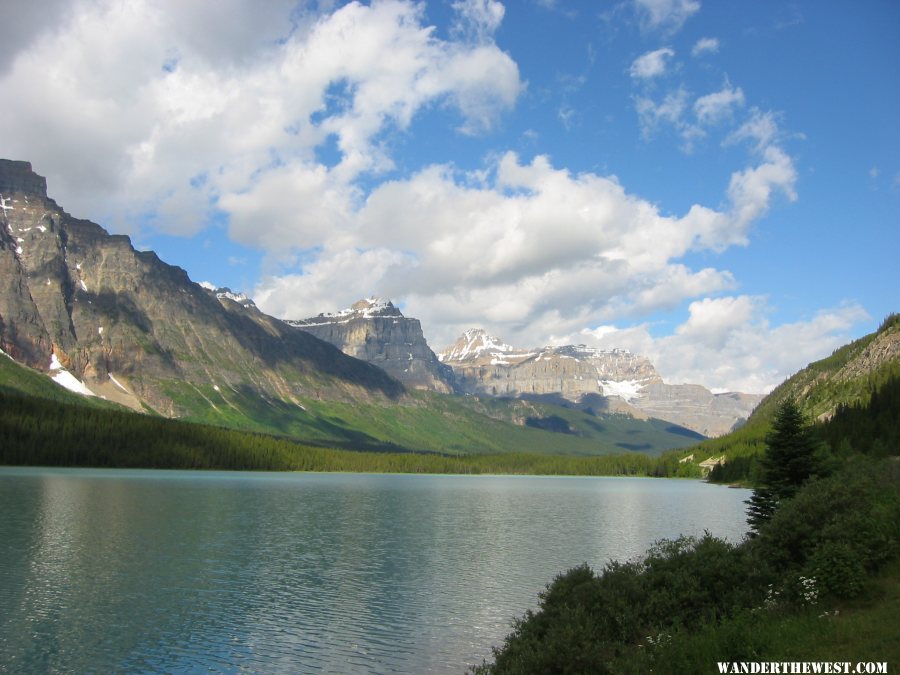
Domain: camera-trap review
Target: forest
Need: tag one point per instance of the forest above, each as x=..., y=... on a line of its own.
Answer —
x=42, y=432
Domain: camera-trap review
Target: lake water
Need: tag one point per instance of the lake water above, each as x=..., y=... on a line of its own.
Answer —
x=175, y=571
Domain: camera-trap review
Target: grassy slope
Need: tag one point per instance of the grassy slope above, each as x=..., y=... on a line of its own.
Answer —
x=423, y=423
x=864, y=629
x=15, y=377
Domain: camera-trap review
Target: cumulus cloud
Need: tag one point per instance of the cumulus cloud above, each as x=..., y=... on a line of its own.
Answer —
x=729, y=343
x=705, y=46
x=670, y=110
x=652, y=64
x=526, y=246
x=666, y=15
x=192, y=103
x=281, y=121
x=761, y=128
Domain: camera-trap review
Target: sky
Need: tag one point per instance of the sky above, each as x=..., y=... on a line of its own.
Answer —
x=715, y=185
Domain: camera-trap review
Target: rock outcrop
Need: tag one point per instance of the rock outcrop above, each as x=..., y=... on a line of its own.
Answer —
x=484, y=364
x=130, y=327
x=374, y=330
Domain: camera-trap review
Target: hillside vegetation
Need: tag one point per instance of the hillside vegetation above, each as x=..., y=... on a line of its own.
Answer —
x=43, y=424
x=846, y=379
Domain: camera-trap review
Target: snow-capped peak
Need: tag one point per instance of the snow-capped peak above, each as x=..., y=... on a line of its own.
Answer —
x=367, y=308
x=373, y=306
x=474, y=343
x=223, y=292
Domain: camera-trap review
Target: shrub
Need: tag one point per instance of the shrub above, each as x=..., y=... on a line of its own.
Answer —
x=837, y=530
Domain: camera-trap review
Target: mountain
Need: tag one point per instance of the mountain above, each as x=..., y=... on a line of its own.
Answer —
x=484, y=364
x=374, y=330
x=97, y=314
x=118, y=327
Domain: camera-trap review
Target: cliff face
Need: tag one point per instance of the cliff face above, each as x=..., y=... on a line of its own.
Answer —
x=139, y=331
x=486, y=365
x=375, y=331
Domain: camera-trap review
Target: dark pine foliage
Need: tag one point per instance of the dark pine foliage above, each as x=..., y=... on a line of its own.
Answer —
x=872, y=429
x=792, y=457
x=42, y=432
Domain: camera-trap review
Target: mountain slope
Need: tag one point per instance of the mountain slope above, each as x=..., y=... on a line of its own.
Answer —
x=426, y=423
x=848, y=377
x=137, y=330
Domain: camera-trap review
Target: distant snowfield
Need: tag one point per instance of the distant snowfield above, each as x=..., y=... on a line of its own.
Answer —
x=625, y=389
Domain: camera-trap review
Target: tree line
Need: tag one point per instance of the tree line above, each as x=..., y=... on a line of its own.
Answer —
x=41, y=432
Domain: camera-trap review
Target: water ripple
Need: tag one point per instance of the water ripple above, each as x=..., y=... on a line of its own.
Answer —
x=178, y=572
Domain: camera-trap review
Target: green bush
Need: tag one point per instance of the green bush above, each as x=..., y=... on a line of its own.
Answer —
x=591, y=623
x=690, y=602
x=837, y=530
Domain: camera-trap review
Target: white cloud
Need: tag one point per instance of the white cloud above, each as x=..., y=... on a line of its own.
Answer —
x=478, y=19
x=652, y=64
x=705, y=46
x=761, y=128
x=750, y=190
x=719, y=105
x=669, y=111
x=187, y=103
x=729, y=344
x=527, y=248
x=666, y=15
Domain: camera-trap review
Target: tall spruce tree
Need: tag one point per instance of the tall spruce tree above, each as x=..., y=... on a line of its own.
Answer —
x=791, y=458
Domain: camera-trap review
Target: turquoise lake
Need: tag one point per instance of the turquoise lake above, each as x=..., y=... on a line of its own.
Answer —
x=175, y=571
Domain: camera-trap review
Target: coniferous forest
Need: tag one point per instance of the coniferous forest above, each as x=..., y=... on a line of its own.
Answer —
x=37, y=431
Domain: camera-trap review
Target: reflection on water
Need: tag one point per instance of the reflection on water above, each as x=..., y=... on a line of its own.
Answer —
x=180, y=571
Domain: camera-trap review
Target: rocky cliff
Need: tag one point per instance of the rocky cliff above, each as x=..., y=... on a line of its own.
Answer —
x=122, y=323
x=374, y=330
x=484, y=364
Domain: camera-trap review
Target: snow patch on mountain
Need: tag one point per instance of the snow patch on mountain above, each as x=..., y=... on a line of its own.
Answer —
x=367, y=308
x=118, y=384
x=225, y=293
x=65, y=379
x=627, y=390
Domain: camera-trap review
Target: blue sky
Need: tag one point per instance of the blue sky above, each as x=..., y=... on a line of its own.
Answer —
x=715, y=185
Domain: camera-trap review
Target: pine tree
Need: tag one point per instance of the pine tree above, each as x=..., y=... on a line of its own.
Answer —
x=791, y=458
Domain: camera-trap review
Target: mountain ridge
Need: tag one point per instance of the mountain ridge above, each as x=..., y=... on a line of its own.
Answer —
x=847, y=377
x=485, y=364
x=77, y=293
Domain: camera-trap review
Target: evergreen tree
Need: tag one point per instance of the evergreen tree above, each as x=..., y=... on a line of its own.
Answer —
x=760, y=508
x=791, y=458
